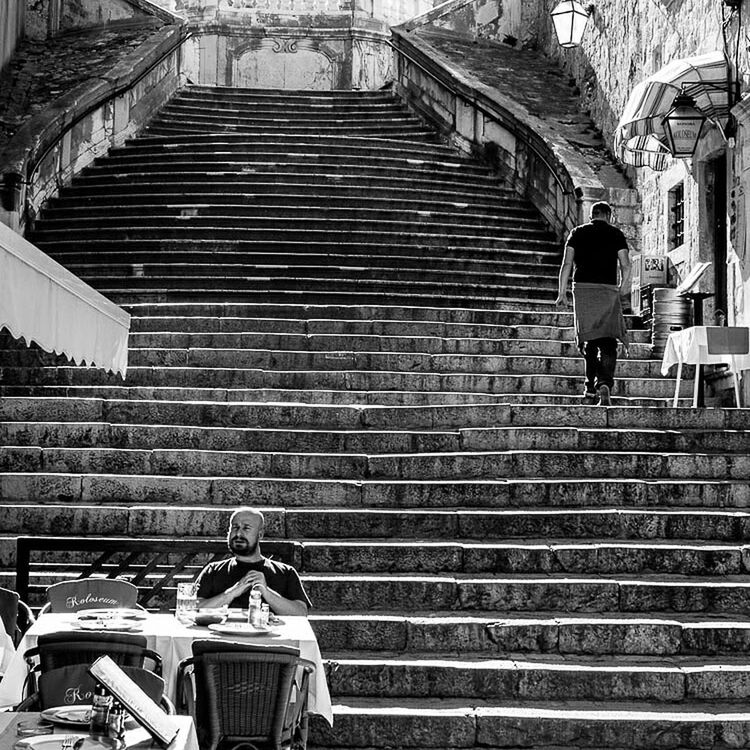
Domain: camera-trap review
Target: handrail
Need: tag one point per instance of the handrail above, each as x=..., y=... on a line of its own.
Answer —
x=34, y=163
x=483, y=108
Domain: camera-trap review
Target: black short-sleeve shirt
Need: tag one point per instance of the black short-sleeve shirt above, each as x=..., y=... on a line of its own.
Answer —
x=219, y=576
x=595, y=248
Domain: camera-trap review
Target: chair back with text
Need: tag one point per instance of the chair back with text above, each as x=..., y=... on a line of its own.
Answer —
x=73, y=685
x=54, y=650
x=91, y=593
x=248, y=694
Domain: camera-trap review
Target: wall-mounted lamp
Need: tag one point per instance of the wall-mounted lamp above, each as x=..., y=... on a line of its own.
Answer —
x=569, y=18
x=683, y=126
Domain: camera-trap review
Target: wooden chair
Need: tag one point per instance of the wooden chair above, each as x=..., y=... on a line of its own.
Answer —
x=91, y=593
x=246, y=695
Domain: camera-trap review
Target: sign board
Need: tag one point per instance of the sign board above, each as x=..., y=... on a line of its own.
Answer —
x=147, y=713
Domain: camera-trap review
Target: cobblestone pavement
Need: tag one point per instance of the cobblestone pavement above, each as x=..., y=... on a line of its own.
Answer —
x=42, y=71
x=537, y=84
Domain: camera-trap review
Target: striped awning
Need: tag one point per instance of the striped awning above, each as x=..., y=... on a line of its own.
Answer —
x=639, y=137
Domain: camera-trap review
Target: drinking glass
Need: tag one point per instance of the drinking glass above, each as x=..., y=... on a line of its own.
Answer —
x=33, y=727
x=187, y=602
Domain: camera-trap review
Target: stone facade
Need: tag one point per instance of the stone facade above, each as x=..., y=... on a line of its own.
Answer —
x=291, y=44
x=11, y=28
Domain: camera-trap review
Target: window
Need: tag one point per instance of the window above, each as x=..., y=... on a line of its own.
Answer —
x=677, y=216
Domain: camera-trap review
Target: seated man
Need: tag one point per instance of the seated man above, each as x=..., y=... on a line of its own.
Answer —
x=229, y=582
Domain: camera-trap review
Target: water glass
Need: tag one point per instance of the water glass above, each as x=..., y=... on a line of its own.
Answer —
x=187, y=602
x=33, y=727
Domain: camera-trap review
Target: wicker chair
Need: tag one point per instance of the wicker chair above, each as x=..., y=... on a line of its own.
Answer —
x=243, y=695
x=55, y=650
x=73, y=685
x=90, y=593
x=15, y=614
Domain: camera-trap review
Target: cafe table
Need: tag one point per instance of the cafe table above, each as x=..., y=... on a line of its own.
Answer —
x=186, y=738
x=172, y=640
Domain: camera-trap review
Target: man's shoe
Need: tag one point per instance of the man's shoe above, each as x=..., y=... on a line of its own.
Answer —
x=589, y=399
x=604, y=396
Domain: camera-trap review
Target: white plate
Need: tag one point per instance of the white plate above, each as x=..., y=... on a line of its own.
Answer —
x=47, y=741
x=240, y=628
x=120, y=625
x=73, y=716
x=117, y=613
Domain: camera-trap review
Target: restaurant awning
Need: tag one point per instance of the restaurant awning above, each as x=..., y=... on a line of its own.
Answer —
x=639, y=136
x=43, y=302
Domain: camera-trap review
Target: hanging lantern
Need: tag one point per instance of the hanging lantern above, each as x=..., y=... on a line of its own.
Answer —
x=683, y=126
x=569, y=18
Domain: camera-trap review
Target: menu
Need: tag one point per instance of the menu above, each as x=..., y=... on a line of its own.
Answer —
x=147, y=713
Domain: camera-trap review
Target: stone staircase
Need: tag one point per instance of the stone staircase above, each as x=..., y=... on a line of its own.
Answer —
x=340, y=320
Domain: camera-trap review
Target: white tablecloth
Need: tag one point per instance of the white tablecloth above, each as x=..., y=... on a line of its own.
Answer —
x=186, y=738
x=7, y=650
x=172, y=640
x=690, y=347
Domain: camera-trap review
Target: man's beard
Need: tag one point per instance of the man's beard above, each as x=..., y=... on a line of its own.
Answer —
x=242, y=547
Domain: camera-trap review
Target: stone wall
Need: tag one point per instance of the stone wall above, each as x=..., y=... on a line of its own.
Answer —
x=11, y=28
x=496, y=19
x=45, y=18
x=308, y=44
x=625, y=42
x=68, y=135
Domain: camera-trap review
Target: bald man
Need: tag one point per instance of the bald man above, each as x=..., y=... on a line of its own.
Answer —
x=229, y=582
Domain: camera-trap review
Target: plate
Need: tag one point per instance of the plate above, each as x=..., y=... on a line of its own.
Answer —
x=121, y=614
x=239, y=628
x=72, y=716
x=109, y=624
x=47, y=741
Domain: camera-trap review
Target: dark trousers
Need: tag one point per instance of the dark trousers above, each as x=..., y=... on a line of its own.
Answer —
x=601, y=358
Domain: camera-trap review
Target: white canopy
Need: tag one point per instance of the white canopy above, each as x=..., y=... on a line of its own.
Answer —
x=43, y=302
x=639, y=136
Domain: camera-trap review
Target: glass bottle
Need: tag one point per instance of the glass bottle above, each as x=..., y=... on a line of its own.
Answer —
x=100, y=705
x=116, y=728
x=253, y=608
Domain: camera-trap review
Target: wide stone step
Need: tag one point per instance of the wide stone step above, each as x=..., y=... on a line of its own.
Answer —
x=181, y=501
x=173, y=126
x=508, y=593
x=418, y=330
x=529, y=251
x=75, y=201
x=73, y=433
x=411, y=235
x=509, y=386
x=565, y=725
x=662, y=681
x=527, y=634
x=263, y=160
x=493, y=421
x=227, y=113
x=281, y=96
x=216, y=185
x=383, y=343
x=97, y=263
x=303, y=206
x=304, y=108
x=322, y=397
x=286, y=143
x=215, y=147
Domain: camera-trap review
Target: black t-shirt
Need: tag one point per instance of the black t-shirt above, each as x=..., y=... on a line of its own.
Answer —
x=595, y=248
x=218, y=576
